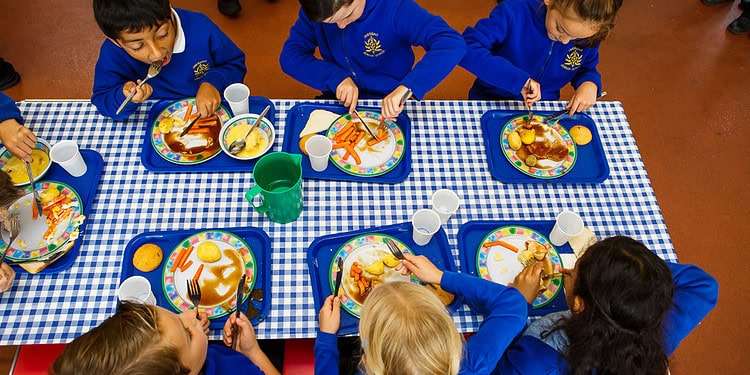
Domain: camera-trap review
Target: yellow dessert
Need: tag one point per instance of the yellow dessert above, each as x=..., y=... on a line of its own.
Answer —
x=255, y=143
x=581, y=135
x=16, y=168
x=208, y=252
x=147, y=258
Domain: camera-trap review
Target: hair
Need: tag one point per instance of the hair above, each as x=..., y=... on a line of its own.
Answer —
x=129, y=342
x=318, y=10
x=602, y=12
x=405, y=329
x=626, y=292
x=117, y=16
x=8, y=192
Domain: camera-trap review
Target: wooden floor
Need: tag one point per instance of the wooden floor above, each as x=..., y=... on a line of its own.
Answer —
x=684, y=81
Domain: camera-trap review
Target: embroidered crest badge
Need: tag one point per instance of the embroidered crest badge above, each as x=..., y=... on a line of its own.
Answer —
x=200, y=69
x=573, y=59
x=373, y=47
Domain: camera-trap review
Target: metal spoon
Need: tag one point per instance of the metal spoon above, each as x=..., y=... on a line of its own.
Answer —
x=239, y=144
x=153, y=70
x=33, y=190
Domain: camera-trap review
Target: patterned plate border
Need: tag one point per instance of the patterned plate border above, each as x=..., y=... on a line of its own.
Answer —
x=510, y=154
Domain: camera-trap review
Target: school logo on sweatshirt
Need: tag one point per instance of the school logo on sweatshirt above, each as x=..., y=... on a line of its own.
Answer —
x=573, y=59
x=373, y=48
x=200, y=69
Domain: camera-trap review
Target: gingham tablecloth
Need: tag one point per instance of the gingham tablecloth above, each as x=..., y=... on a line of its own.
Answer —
x=447, y=152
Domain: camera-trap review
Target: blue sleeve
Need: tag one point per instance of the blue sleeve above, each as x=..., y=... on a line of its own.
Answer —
x=479, y=60
x=9, y=109
x=529, y=355
x=505, y=312
x=444, y=46
x=588, y=72
x=696, y=293
x=326, y=354
x=298, y=61
x=109, y=77
x=229, y=60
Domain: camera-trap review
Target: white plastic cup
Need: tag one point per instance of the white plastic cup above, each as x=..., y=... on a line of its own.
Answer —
x=567, y=225
x=136, y=289
x=425, y=223
x=445, y=202
x=68, y=156
x=238, y=97
x=319, y=149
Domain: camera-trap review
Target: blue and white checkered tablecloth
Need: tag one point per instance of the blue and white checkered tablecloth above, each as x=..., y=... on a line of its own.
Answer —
x=447, y=152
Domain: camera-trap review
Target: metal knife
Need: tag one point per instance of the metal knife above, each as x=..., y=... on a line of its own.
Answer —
x=364, y=124
x=340, y=264
x=37, y=201
x=190, y=125
x=240, y=294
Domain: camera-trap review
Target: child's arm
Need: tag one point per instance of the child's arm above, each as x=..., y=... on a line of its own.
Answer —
x=9, y=109
x=326, y=354
x=587, y=72
x=298, y=61
x=228, y=59
x=444, y=46
x=109, y=79
x=479, y=60
x=696, y=293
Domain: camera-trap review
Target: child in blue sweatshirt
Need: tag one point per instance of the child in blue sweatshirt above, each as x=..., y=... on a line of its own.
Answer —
x=366, y=50
x=405, y=329
x=530, y=49
x=17, y=138
x=145, y=339
x=197, y=58
x=629, y=312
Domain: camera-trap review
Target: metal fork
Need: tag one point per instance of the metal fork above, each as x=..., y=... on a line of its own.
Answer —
x=194, y=293
x=15, y=230
x=153, y=71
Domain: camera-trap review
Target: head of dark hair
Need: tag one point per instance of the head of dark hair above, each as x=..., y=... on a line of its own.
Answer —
x=318, y=10
x=8, y=192
x=602, y=12
x=128, y=342
x=117, y=16
x=626, y=292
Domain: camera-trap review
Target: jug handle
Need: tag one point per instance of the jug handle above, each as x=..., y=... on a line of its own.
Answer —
x=250, y=197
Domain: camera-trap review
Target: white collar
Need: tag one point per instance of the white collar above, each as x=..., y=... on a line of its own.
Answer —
x=179, y=40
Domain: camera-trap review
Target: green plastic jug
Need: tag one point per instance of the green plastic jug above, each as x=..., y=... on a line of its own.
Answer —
x=278, y=181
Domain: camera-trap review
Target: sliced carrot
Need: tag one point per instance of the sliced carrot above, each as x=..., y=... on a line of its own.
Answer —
x=186, y=265
x=187, y=255
x=188, y=112
x=343, y=135
x=337, y=146
x=55, y=202
x=359, y=138
x=34, y=211
x=197, y=275
x=503, y=244
x=177, y=260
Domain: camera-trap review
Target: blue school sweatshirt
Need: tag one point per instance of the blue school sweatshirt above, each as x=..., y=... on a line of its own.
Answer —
x=375, y=51
x=222, y=360
x=695, y=295
x=512, y=45
x=209, y=56
x=505, y=313
x=9, y=109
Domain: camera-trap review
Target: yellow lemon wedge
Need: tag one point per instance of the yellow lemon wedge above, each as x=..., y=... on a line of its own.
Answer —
x=208, y=252
x=376, y=268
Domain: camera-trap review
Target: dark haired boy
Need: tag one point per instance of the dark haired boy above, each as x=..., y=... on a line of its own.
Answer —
x=197, y=58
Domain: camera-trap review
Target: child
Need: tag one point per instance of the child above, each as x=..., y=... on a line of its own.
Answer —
x=366, y=49
x=197, y=58
x=405, y=329
x=629, y=312
x=18, y=139
x=145, y=339
x=524, y=50
x=8, y=195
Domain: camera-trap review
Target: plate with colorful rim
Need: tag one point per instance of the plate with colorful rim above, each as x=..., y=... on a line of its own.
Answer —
x=62, y=207
x=192, y=148
x=16, y=168
x=377, y=159
x=545, y=168
x=218, y=280
x=498, y=263
x=371, y=254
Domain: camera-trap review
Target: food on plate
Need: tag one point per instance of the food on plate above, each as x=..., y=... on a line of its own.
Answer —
x=514, y=140
x=581, y=135
x=528, y=136
x=501, y=243
x=167, y=124
x=536, y=252
x=353, y=139
x=390, y=260
x=202, y=137
x=540, y=145
x=56, y=208
x=181, y=259
x=376, y=268
x=319, y=121
x=16, y=168
x=255, y=143
x=208, y=252
x=148, y=257
x=219, y=280
x=364, y=277
x=303, y=141
x=531, y=161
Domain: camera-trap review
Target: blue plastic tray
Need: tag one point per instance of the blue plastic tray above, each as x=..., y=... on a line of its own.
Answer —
x=296, y=118
x=220, y=163
x=321, y=251
x=591, y=167
x=86, y=186
x=471, y=235
x=259, y=243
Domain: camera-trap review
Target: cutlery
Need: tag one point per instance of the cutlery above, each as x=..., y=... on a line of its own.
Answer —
x=153, y=70
x=194, y=294
x=551, y=275
x=364, y=124
x=190, y=125
x=340, y=264
x=33, y=190
x=401, y=103
x=443, y=295
x=252, y=312
x=15, y=229
x=556, y=116
x=238, y=303
x=239, y=144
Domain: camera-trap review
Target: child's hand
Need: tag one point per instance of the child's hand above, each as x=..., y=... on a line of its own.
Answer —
x=7, y=274
x=583, y=98
x=247, y=342
x=18, y=139
x=330, y=315
x=141, y=94
x=531, y=92
x=201, y=324
x=207, y=99
x=347, y=93
x=527, y=281
x=392, y=103
x=422, y=268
